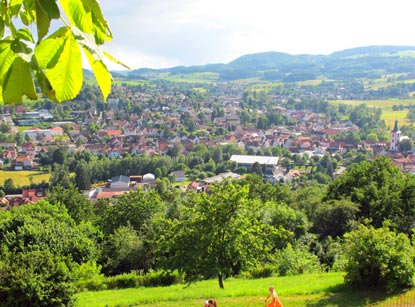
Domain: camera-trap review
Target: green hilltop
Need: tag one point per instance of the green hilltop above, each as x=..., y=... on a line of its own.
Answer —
x=362, y=62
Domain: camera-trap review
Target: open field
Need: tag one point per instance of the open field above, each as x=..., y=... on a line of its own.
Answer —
x=309, y=290
x=381, y=103
x=388, y=114
x=22, y=178
x=202, y=77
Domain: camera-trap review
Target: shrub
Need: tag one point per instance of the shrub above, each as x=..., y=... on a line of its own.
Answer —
x=155, y=279
x=130, y=280
x=297, y=260
x=88, y=277
x=261, y=272
x=379, y=258
x=36, y=278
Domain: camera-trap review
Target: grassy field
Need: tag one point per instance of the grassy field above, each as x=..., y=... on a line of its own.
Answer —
x=388, y=115
x=23, y=178
x=309, y=290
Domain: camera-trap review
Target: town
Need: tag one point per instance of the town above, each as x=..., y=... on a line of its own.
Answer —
x=281, y=134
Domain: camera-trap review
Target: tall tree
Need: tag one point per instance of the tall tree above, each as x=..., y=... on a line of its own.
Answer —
x=375, y=186
x=83, y=176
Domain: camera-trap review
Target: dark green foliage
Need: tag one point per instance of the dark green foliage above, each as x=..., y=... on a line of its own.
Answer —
x=218, y=234
x=132, y=280
x=134, y=208
x=77, y=205
x=375, y=186
x=40, y=245
x=124, y=252
x=292, y=224
x=58, y=156
x=35, y=278
x=379, y=258
x=333, y=218
x=83, y=176
x=43, y=226
x=261, y=271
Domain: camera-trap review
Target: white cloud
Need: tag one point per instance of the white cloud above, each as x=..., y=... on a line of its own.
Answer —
x=136, y=59
x=165, y=33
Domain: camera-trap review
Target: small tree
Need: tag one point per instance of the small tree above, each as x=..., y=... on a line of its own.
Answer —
x=218, y=235
x=379, y=258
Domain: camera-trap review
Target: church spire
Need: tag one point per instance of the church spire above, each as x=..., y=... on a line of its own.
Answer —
x=395, y=137
x=395, y=129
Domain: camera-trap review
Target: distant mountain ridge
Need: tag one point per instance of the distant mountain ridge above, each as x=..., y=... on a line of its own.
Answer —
x=369, y=62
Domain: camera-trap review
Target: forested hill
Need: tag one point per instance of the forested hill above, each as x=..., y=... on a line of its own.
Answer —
x=362, y=62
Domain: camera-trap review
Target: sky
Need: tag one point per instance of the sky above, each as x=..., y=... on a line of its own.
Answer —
x=168, y=33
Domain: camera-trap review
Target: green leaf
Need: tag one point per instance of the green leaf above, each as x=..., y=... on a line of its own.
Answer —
x=20, y=74
x=88, y=17
x=48, y=51
x=15, y=6
x=42, y=21
x=25, y=18
x=77, y=15
x=25, y=34
x=44, y=84
x=50, y=7
x=7, y=57
x=21, y=49
x=60, y=57
x=109, y=56
x=101, y=73
x=28, y=12
x=1, y=27
x=102, y=30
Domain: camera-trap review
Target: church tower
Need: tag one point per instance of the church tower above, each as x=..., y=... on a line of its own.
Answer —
x=395, y=137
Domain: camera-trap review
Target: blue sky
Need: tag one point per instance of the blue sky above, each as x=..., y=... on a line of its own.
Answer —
x=167, y=33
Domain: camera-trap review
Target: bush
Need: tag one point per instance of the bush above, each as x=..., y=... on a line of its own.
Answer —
x=36, y=278
x=379, y=258
x=260, y=272
x=155, y=279
x=88, y=277
x=297, y=260
x=130, y=280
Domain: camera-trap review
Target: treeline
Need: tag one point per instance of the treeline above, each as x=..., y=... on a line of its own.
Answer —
x=361, y=223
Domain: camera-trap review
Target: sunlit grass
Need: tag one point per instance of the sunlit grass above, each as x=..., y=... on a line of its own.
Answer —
x=23, y=178
x=388, y=114
x=311, y=290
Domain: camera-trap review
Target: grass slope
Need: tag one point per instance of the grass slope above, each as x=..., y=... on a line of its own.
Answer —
x=310, y=290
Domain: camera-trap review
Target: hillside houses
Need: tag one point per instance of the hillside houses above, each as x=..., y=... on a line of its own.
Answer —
x=141, y=134
x=155, y=126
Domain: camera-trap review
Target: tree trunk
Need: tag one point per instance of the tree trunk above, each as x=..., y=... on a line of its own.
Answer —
x=220, y=280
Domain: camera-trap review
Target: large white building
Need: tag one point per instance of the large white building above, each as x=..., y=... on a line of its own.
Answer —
x=268, y=162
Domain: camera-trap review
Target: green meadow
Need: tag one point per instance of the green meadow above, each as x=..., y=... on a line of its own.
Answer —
x=23, y=178
x=388, y=114
x=308, y=290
